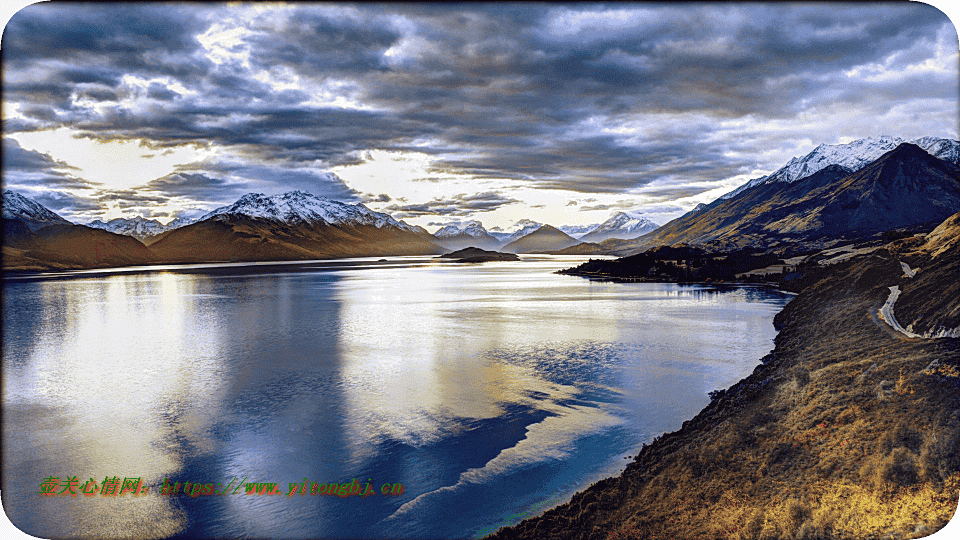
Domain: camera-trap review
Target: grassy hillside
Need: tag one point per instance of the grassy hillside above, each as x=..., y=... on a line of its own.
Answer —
x=848, y=429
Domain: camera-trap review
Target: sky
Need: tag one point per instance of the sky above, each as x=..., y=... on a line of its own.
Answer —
x=443, y=113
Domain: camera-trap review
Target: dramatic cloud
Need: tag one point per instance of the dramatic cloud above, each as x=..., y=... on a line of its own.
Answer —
x=633, y=104
x=458, y=205
x=28, y=169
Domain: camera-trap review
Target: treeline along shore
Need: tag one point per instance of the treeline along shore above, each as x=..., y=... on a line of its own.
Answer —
x=847, y=429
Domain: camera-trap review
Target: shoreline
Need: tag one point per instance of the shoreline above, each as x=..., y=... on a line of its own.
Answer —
x=777, y=441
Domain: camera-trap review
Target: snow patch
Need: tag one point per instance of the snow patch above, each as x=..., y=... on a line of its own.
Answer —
x=854, y=156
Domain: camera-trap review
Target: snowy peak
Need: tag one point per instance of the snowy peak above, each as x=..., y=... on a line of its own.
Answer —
x=854, y=156
x=296, y=207
x=945, y=149
x=623, y=225
x=470, y=228
x=578, y=231
x=466, y=234
x=628, y=223
x=138, y=227
x=180, y=221
x=16, y=206
x=519, y=230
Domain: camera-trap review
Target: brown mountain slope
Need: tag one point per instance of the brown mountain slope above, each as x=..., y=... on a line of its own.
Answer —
x=233, y=238
x=848, y=429
x=905, y=187
x=69, y=247
x=542, y=240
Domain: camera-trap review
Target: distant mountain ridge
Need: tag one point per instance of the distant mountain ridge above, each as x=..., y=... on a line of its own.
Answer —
x=623, y=225
x=524, y=227
x=544, y=239
x=292, y=226
x=137, y=227
x=294, y=207
x=457, y=236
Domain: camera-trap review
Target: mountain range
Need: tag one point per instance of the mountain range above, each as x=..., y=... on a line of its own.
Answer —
x=833, y=194
x=622, y=225
x=291, y=226
x=138, y=227
x=467, y=234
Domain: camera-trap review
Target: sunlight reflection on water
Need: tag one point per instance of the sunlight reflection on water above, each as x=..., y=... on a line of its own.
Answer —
x=482, y=388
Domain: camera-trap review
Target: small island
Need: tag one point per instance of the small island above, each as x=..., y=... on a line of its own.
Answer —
x=475, y=255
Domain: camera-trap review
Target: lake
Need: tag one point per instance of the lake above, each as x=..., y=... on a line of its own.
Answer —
x=466, y=396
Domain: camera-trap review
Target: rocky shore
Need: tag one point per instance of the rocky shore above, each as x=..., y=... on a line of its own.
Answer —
x=848, y=429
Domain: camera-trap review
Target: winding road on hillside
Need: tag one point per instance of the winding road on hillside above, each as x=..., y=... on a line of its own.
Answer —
x=886, y=311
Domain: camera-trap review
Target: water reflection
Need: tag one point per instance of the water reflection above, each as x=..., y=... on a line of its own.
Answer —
x=457, y=381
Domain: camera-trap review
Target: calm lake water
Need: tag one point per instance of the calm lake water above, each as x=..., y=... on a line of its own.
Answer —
x=490, y=392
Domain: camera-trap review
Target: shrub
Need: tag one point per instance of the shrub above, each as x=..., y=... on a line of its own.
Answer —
x=899, y=468
x=940, y=456
x=797, y=513
x=902, y=437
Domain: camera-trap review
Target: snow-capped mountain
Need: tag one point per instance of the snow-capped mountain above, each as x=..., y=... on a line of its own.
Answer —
x=518, y=230
x=466, y=234
x=295, y=207
x=577, y=231
x=623, y=225
x=186, y=217
x=291, y=226
x=137, y=227
x=34, y=214
x=854, y=156
x=904, y=189
x=470, y=228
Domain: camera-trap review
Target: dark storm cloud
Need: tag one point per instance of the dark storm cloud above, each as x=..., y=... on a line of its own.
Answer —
x=17, y=158
x=679, y=192
x=93, y=35
x=322, y=42
x=583, y=97
x=221, y=184
x=29, y=169
x=622, y=205
x=189, y=185
x=131, y=198
x=458, y=205
x=66, y=204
